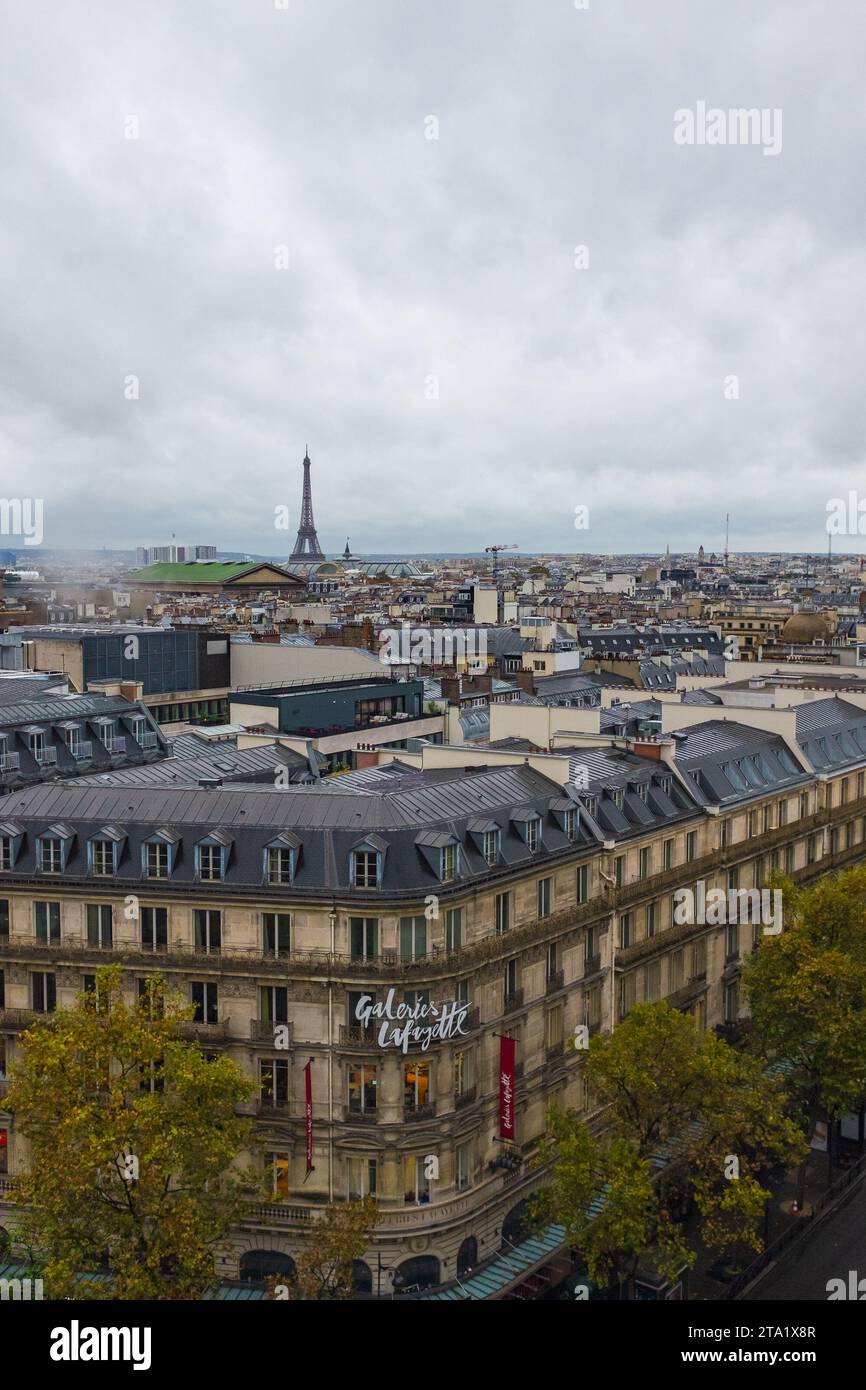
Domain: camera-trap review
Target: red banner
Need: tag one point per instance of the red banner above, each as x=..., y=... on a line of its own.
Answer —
x=507, y=1048
x=308, y=1112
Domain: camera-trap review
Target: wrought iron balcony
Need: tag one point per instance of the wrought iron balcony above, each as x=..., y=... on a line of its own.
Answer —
x=513, y=1001
x=464, y=1098
x=265, y=1031
x=82, y=752
x=417, y=1113
x=555, y=981
x=10, y=762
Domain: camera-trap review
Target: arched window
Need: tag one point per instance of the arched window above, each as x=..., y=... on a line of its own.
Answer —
x=467, y=1256
x=420, y=1273
x=362, y=1277
x=259, y=1265
x=516, y=1226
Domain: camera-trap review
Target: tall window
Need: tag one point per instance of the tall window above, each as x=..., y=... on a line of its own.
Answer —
x=448, y=862
x=502, y=907
x=154, y=928
x=699, y=959
x=544, y=897
x=691, y=846
x=5, y=852
x=454, y=929
x=463, y=1077
x=416, y=1084
x=274, y=1083
x=652, y=982
x=532, y=834
x=206, y=1000
x=491, y=846
x=413, y=938
x=362, y=1088
x=583, y=884
x=274, y=1003
x=43, y=992
x=651, y=914
x=569, y=824
x=47, y=922
x=463, y=1166
x=207, y=930
x=99, y=932
x=364, y=937
x=625, y=931
x=277, y=1168
x=361, y=1178
x=668, y=854
x=416, y=1184
x=644, y=863
x=276, y=933
x=4, y=917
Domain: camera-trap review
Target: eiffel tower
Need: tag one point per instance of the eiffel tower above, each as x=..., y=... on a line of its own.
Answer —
x=307, y=544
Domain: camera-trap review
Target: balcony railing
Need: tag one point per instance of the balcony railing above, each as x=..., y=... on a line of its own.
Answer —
x=115, y=743
x=464, y=1098
x=555, y=981
x=148, y=739
x=265, y=1031
x=10, y=762
x=45, y=757
x=417, y=1113
x=82, y=752
x=592, y=965
x=513, y=1001
x=356, y=1035
x=15, y=1020
x=202, y=1032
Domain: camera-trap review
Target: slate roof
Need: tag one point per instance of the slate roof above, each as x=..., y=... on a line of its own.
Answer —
x=725, y=762
x=330, y=819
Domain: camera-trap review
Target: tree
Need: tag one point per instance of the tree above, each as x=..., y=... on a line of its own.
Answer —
x=131, y=1132
x=807, y=995
x=678, y=1099
x=324, y=1268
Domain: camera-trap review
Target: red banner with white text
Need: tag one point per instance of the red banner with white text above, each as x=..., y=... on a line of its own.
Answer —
x=308, y=1112
x=507, y=1048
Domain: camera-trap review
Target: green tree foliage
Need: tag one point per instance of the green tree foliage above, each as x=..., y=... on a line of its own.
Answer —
x=668, y=1089
x=807, y=990
x=132, y=1132
x=324, y=1267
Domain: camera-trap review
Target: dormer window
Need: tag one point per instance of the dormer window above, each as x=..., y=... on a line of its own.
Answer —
x=591, y=805
x=533, y=828
x=103, y=857
x=280, y=864
x=11, y=840
x=365, y=868
x=50, y=854
x=158, y=854
x=103, y=851
x=491, y=846
x=618, y=798
x=209, y=861
x=569, y=824
x=642, y=790
x=666, y=784
x=447, y=862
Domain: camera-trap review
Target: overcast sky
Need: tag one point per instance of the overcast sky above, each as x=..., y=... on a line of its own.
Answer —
x=419, y=265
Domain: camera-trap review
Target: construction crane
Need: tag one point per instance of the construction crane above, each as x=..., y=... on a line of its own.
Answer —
x=494, y=551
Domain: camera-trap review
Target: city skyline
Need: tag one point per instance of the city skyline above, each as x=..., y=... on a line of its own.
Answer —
x=466, y=258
